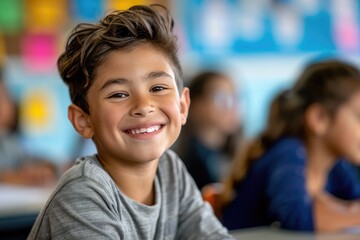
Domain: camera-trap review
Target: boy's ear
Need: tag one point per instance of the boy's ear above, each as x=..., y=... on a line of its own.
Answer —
x=317, y=119
x=184, y=104
x=80, y=121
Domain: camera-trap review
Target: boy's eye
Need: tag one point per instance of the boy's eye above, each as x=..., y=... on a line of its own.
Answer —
x=119, y=95
x=157, y=89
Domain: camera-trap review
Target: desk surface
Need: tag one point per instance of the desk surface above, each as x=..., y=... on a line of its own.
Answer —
x=16, y=200
x=19, y=207
x=276, y=234
x=24, y=201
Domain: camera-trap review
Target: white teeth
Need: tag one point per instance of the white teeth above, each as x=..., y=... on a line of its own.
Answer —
x=145, y=130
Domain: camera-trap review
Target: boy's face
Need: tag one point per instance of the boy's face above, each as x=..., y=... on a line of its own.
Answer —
x=136, y=111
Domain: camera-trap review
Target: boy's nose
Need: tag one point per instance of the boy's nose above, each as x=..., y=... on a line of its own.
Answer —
x=141, y=106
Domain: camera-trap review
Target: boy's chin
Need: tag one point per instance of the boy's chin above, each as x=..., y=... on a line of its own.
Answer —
x=148, y=157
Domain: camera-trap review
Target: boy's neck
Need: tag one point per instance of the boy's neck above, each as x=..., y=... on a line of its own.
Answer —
x=136, y=181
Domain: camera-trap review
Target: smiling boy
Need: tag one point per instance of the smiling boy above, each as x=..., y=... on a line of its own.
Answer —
x=127, y=94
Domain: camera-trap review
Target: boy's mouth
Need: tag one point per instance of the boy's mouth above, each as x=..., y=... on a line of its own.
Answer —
x=144, y=130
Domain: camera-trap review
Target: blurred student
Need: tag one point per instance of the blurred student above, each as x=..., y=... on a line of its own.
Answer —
x=16, y=166
x=127, y=93
x=298, y=172
x=208, y=140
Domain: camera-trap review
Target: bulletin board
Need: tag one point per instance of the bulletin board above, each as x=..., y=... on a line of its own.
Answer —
x=32, y=36
x=264, y=44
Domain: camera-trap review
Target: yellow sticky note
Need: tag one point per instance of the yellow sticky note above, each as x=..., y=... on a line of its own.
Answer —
x=36, y=111
x=45, y=15
x=125, y=4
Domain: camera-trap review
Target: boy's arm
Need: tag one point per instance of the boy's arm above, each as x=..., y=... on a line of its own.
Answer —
x=196, y=217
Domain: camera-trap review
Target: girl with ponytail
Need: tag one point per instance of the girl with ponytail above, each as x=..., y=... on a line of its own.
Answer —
x=297, y=173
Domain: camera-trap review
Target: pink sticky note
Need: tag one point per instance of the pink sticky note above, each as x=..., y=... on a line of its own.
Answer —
x=347, y=35
x=39, y=52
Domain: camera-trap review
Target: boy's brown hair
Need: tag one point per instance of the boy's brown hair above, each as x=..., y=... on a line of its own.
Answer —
x=90, y=44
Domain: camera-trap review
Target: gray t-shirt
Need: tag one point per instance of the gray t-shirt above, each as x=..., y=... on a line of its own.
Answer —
x=87, y=204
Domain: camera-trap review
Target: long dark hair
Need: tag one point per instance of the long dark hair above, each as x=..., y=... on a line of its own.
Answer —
x=329, y=83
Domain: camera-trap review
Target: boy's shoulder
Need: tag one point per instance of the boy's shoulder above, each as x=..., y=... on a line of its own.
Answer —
x=89, y=168
x=170, y=160
x=170, y=155
x=86, y=167
x=170, y=171
x=82, y=164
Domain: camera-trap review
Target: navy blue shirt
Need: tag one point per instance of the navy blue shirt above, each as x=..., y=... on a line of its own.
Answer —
x=202, y=162
x=274, y=190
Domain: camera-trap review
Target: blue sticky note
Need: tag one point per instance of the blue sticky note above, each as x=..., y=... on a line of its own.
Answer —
x=87, y=11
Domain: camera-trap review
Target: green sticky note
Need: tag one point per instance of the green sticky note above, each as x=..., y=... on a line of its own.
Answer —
x=11, y=15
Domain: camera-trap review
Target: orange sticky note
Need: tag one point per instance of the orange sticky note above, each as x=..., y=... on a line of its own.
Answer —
x=45, y=15
x=125, y=4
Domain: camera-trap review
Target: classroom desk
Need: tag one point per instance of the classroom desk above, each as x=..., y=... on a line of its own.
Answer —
x=19, y=200
x=268, y=233
x=19, y=207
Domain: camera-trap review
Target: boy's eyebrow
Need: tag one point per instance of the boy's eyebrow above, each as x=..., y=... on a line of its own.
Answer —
x=114, y=81
x=158, y=74
x=151, y=75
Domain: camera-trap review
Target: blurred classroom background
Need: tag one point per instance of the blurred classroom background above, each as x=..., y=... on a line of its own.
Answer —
x=262, y=44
